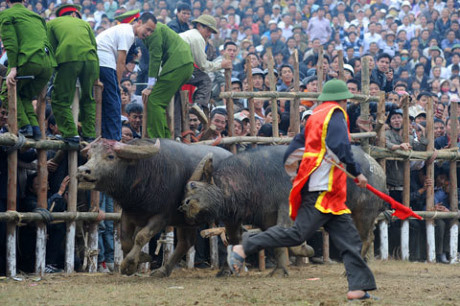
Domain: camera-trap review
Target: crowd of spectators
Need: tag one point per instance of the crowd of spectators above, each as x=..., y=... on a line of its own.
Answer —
x=413, y=48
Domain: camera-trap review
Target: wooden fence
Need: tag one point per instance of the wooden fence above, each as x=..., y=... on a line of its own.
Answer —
x=13, y=218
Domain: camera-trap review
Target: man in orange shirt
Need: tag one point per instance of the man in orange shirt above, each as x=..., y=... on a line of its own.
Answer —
x=319, y=193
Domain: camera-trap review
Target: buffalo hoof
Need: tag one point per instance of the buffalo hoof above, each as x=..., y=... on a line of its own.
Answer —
x=128, y=266
x=281, y=271
x=160, y=273
x=224, y=272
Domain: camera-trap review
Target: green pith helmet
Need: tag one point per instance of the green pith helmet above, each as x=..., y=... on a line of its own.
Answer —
x=209, y=21
x=335, y=90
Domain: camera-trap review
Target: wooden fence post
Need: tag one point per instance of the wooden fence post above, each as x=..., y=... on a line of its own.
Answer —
x=406, y=189
x=229, y=105
x=93, y=231
x=42, y=195
x=453, y=194
x=430, y=238
x=274, y=104
x=73, y=188
x=12, y=184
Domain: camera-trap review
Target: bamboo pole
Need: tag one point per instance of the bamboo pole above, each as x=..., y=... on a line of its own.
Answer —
x=341, y=73
x=380, y=124
x=12, y=181
x=274, y=104
x=272, y=140
x=184, y=108
x=406, y=184
x=10, y=139
x=42, y=195
x=444, y=154
x=383, y=228
x=168, y=248
x=289, y=95
x=190, y=258
x=72, y=201
x=252, y=118
x=229, y=105
x=430, y=238
x=214, y=249
x=319, y=69
x=365, y=90
x=294, y=116
x=20, y=217
x=93, y=233
x=381, y=142
x=453, y=193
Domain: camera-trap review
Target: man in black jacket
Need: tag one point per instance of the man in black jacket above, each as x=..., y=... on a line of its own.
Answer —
x=180, y=23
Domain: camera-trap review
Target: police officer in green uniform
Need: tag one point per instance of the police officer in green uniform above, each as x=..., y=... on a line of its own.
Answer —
x=29, y=52
x=76, y=55
x=168, y=50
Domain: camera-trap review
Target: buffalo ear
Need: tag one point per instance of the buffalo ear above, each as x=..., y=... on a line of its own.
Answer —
x=203, y=169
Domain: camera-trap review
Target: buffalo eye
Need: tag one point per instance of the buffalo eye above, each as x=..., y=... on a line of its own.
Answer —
x=110, y=157
x=192, y=185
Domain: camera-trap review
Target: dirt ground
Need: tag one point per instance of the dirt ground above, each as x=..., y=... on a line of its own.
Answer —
x=400, y=283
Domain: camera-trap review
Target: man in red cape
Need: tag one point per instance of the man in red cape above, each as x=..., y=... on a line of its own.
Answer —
x=319, y=193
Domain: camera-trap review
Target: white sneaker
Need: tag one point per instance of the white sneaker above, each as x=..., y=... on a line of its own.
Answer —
x=110, y=266
x=102, y=268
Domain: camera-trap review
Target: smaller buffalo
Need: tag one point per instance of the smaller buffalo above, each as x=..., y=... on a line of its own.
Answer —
x=249, y=188
x=253, y=188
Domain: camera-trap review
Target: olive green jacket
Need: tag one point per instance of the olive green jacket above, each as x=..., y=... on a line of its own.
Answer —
x=24, y=37
x=72, y=40
x=166, y=50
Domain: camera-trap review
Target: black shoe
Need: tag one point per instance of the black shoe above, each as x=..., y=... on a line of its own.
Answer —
x=73, y=142
x=37, y=134
x=27, y=131
x=441, y=258
x=88, y=139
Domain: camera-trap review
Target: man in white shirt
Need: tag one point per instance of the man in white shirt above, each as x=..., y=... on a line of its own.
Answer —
x=371, y=37
x=112, y=47
x=205, y=25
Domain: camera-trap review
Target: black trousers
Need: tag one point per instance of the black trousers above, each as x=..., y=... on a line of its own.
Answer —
x=341, y=229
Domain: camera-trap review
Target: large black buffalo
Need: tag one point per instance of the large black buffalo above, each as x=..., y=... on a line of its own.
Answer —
x=147, y=179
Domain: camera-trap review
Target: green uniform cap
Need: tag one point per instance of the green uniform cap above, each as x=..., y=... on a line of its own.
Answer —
x=335, y=90
x=67, y=8
x=128, y=17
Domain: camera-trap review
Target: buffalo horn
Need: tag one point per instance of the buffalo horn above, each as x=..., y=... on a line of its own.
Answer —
x=198, y=173
x=136, y=152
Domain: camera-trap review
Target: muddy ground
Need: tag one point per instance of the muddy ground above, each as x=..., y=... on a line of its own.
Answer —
x=400, y=283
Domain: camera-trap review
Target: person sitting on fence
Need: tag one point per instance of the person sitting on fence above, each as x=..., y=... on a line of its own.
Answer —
x=55, y=250
x=29, y=54
x=135, y=116
x=76, y=55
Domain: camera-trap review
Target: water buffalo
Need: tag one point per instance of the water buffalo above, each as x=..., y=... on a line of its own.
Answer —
x=148, y=183
x=249, y=188
x=253, y=187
